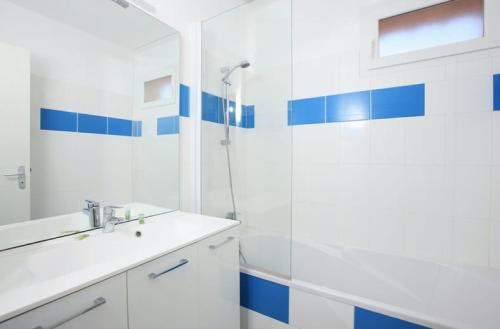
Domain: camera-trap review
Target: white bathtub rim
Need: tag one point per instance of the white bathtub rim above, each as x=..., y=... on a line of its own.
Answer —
x=353, y=300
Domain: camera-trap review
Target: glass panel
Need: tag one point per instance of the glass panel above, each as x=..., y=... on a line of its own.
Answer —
x=442, y=24
x=260, y=140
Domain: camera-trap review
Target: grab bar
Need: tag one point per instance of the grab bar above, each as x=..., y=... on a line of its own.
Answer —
x=215, y=246
x=182, y=262
x=98, y=302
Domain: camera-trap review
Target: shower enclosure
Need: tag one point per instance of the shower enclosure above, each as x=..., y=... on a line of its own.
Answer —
x=247, y=84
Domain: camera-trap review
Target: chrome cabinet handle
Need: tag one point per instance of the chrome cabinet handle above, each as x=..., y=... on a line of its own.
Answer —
x=98, y=302
x=182, y=262
x=215, y=246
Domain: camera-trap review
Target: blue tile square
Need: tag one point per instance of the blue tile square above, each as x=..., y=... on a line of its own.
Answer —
x=119, y=127
x=364, y=319
x=184, y=101
x=167, y=125
x=496, y=92
x=306, y=111
x=137, y=128
x=232, y=114
x=210, y=106
x=348, y=107
x=248, y=116
x=398, y=102
x=58, y=120
x=265, y=297
x=92, y=124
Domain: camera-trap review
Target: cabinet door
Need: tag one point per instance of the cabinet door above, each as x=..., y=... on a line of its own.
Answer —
x=162, y=294
x=101, y=306
x=219, y=281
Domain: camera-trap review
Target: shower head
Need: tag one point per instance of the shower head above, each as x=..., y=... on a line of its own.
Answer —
x=121, y=3
x=228, y=70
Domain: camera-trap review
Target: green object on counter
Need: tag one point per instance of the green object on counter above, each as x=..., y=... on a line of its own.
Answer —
x=127, y=214
x=141, y=219
x=82, y=237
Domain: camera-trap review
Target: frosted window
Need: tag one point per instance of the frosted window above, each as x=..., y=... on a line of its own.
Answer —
x=442, y=24
x=158, y=89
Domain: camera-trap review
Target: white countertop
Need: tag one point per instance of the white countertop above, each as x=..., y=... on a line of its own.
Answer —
x=37, y=274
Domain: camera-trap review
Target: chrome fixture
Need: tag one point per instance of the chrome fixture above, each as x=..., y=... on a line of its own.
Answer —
x=20, y=175
x=93, y=210
x=97, y=302
x=227, y=71
x=182, y=262
x=110, y=219
x=122, y=3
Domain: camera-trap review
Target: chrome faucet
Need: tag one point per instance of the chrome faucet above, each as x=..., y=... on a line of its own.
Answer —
x=93, y=210
x=110, y=219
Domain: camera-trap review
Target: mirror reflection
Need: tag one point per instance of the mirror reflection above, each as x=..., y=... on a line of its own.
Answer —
x=89, y=117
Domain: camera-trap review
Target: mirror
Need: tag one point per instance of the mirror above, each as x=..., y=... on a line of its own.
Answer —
x=89, y=99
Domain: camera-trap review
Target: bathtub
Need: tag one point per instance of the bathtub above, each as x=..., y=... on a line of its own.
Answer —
x=440, y=296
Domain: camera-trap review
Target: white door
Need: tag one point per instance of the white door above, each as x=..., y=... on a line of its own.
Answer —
x=14, y=134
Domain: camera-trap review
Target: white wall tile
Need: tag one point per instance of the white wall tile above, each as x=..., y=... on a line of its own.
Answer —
x=387, y=142
x=496, y=138
x=473, y=138
x=495, y=244
x=355, y=142
x=439, y=97
x=474, y=94
x=426, y=140
x=472, y=192
x=309, y=311
x=495, y=193
x=471, y=241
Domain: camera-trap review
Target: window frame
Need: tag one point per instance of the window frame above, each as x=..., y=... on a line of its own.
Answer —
x=370, y=34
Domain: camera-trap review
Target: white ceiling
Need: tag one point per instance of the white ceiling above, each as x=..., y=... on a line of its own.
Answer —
x=130, y=28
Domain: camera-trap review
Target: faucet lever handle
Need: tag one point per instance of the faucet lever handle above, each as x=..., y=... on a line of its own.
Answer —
x=109, y=212
x=91, y=204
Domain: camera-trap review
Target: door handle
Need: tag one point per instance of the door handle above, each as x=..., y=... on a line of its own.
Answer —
x=21, y=177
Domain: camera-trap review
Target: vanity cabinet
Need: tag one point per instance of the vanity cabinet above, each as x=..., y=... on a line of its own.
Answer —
x=101, y=306
x=194, y=287
x=163, y=294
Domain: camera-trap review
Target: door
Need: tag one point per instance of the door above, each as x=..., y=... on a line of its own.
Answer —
x=219, y=281
x=14, y=134
x=163, y=294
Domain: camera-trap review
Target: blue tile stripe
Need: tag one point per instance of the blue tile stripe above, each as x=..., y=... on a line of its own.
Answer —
x=496, y=92
x=92, y=124
x=364, y=319
x=211, y=111
x=265, y=297
x=167, y=125
x=184, y=101
x=306, y=111
x=398, y=102
x=348, y=107
x=58, y=120
x=386, y=103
